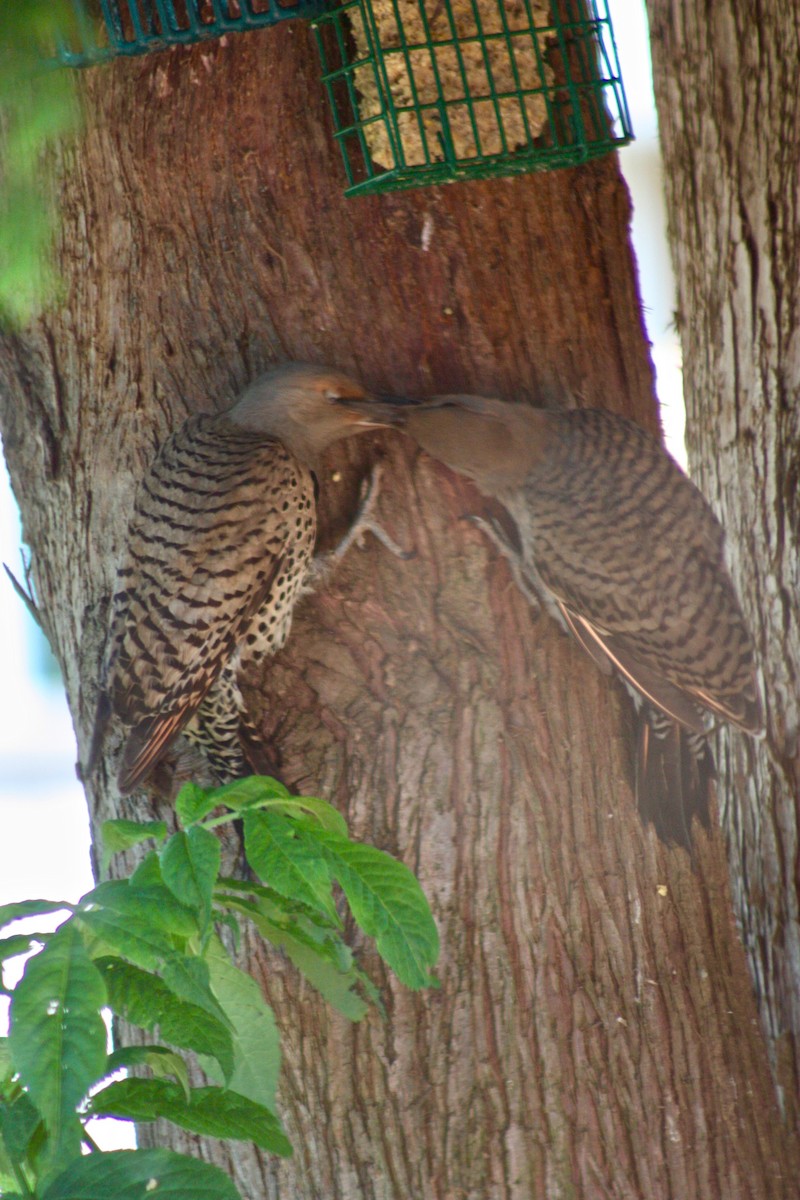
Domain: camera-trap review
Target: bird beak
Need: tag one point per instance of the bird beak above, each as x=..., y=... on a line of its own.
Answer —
x=379, y=411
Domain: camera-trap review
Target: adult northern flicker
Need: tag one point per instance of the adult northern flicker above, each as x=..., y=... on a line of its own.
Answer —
x=607, y=528
x=219, y=549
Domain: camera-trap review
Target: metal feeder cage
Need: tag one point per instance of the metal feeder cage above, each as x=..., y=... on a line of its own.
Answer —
x=430, y=91
x=104, y=29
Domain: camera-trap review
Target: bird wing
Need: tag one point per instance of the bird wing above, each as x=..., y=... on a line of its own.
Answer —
x=147, y=742
x=148, y=739
x=604, y=649
x=220, y=520
x=633, y=556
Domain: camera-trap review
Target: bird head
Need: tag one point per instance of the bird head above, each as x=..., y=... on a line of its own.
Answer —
x=493, y=443
x=308, y=407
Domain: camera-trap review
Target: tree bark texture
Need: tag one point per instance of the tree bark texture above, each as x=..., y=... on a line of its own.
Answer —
x=595, y=1032
x=729, y=109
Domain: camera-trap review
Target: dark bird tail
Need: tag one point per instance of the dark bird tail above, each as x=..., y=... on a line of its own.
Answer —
x=675, y=775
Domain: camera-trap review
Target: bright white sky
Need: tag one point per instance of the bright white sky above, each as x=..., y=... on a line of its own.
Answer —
x=44, y=849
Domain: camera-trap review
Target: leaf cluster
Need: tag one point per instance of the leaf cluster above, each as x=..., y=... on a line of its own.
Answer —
x=38, y=106
x=151, y=948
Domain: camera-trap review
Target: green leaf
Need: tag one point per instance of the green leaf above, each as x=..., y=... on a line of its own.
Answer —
x=256, y=1043
x=210, y=1111
x=148, y=872
x=139, y=923
x=18, y=943
x=158, y=1059
x=190, y=866
x=153, y=903
x=6, y=1070
x=145, y=1000
x=120, y=835
x=389, y=905
x=19, y=1121
x=134, y=939
x=291, y=863
x=231, y=923
x=58, y=1037
x=244, y=793
x=193, y=803
x=189, y=978
x=321, y=966
x=39, y=105
x=324, y=814
x=318, y=951
x=230, y=890
x=141, y=1175
x=31, y=908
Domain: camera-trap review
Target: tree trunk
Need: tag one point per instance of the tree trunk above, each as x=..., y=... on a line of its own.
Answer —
x=729, y=108
x=595, y=1032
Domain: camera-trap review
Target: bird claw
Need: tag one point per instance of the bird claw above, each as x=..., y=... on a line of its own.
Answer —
x=365, y=521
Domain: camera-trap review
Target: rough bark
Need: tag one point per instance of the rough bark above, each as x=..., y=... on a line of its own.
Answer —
x=729, y=109
x=595, y=1033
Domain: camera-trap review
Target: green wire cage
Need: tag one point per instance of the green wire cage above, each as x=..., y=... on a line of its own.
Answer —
x=104, y=29
x=421, y=91
x=430, y=91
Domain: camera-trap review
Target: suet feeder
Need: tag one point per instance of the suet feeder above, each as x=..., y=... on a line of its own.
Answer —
x=104, y=29
x=430, y=91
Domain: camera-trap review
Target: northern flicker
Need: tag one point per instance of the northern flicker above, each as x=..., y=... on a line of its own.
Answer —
x=219, y=550
x=605, y=526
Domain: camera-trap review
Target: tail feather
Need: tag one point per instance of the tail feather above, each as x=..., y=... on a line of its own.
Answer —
x=675, y=775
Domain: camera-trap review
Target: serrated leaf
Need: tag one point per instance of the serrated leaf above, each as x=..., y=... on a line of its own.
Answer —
x=243, y=793
x=291, y=863
x=120, y=835
x=144, y=999
x=133, y=939
x=389, y=905
x=210, y=1111
x=30, y=908
x=193, y=803
x=141, y=1175
x=58, y=1036
x=141, y=924
x=190, y=866
x=153, y=903
x=256, y=1042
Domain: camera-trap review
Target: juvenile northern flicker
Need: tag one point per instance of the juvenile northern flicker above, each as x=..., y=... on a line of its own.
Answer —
x=608, y=529
x=219, y=549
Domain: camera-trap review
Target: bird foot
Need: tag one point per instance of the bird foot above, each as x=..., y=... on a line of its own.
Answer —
x=365, y=521
x=499, y=539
